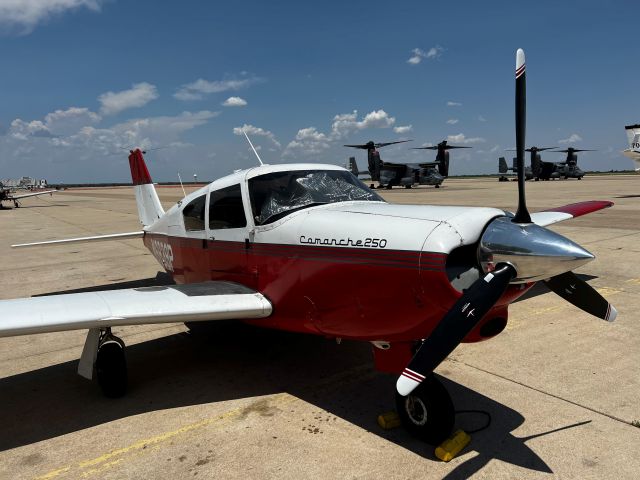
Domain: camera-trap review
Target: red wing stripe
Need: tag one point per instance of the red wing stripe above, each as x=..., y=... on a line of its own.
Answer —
x=582, y=208
x=520, y=71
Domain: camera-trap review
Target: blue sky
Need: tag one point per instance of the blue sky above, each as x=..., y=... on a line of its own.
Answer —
x=84, y=78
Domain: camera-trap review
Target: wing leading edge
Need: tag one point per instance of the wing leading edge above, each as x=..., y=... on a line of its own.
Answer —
x=566, y=212
x=146, y=305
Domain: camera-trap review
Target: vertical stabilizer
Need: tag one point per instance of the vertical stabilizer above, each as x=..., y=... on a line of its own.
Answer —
x=633, y=152
x=149, y=208
x=353, y=166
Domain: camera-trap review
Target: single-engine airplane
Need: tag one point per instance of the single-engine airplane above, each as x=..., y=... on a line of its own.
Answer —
x=633, y=152
x=9, y=195
x=305, y=248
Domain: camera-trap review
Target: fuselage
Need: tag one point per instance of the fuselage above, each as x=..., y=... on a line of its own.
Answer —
x=355, y=268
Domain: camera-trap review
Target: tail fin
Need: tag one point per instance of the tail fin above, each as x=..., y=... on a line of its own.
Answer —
x=149, y=208
x=633, y=134
x=353, y=166
x=502, y=165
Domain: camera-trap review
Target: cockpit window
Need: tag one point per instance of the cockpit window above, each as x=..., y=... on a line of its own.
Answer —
x=193, y=214
x=225, y=208
x=277, y=194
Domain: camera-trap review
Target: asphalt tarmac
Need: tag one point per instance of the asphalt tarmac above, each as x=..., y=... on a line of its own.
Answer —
x=562, y=388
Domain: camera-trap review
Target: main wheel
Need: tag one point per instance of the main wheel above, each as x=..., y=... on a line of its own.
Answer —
x=437, y=186
x=111, y=369
x=427, y=412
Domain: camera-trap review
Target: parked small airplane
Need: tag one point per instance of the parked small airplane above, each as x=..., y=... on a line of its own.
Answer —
x=306, y=248
x=633, y=152
x=9, y=195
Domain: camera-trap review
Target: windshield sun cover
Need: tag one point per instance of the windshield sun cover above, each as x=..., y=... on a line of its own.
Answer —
x=274, y=195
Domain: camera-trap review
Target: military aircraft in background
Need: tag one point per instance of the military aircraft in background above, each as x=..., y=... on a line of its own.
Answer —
x=306, y=248
x=531, y=172
x=633, y=152
x=9, y=195
x=390, y=174
x=541, y=170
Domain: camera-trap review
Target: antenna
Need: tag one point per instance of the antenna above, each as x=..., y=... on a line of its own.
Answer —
x=254, y=150
x=179, y=178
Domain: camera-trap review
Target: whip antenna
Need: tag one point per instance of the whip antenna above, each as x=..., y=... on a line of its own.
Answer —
x=179, y=178
x=252, y=147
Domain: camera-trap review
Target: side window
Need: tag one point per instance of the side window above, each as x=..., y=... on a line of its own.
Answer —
x=225, y=208
x=193, y=214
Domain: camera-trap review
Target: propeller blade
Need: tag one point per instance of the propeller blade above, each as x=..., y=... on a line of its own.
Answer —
x=582, y=295
x=567, y=150
x=522, y=214
x=369, y=145
x=465, y=314
x=364, y=146
x=435, y=147
x=380, y=145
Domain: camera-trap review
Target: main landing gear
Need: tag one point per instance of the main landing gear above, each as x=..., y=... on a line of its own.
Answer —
x=427, y=412
x=103, y=354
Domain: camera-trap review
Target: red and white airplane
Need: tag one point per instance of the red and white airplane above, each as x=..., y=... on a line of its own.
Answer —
x=306, y=248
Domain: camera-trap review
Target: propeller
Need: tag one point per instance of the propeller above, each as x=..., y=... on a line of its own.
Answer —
x=371, y=145
x=511, y=250
x=532, y=149
x=442, y=145
x=575, y=150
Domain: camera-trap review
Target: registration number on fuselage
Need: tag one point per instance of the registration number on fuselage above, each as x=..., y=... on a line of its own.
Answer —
x=345, y=242
x=163, y=252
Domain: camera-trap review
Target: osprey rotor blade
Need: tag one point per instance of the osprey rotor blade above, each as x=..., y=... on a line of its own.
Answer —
x=582, y=295
x=465, y=314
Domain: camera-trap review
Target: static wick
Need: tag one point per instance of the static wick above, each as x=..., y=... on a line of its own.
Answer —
x=254, y=149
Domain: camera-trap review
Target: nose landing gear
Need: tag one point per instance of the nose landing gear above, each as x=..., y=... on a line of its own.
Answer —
x=427, y=412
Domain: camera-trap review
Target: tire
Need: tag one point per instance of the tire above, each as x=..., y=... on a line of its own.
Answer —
x=111, y=369
x=427, y=412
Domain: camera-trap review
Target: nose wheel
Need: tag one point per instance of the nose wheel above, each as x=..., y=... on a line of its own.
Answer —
x=427, y=412
x=111, y=365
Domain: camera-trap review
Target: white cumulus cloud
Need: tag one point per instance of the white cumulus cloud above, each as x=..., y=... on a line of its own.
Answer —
x=308, y=141
x=573, y=138
x=198, y=89
x=234, y=102
x=453, y=104
x=461, y=138
x=256, y=132
x=345, y=123
x=138, y=95
x=452, y=121
x=23, y=16
x=403, y=128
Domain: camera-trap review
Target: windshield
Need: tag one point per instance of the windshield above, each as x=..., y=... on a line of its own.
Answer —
x=274, y=195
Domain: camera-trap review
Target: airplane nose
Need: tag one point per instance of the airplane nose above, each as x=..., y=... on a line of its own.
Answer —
x=535, y=252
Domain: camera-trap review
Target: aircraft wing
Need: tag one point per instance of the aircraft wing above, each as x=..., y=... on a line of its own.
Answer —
x=193, y=302
x=32, y=194
x=394, y=165
x=559, y=214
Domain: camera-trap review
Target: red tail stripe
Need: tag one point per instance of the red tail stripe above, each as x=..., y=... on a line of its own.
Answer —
x=139, y=173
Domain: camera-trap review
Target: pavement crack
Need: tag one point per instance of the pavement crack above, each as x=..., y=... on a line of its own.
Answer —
x=544, y=392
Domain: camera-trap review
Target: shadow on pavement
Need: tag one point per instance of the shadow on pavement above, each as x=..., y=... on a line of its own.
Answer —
x=227, y=361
